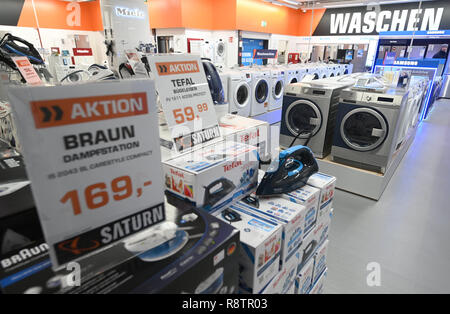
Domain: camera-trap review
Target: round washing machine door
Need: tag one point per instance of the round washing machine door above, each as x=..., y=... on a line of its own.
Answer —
x=220, y=50
x=293, y=80
x=303, y=116
x=261, y=91
x=363, y=129
x=316, y=76
x=242, y=95
x=277, y=90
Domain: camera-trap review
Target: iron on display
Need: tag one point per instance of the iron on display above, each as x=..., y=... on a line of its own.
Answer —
x=212, y=284
x=368, y=123
x=289, y=172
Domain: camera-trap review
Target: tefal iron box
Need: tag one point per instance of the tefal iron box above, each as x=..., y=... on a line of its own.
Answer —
x=304, y=278
x=308, y=197
x=326, y=184
x=320, y=260
x=318, y=287
x=283, y=281
x=248, y=131
x=190, y=252
x=260, y=246
x=212, y=177
x=290, y=215
x=313, y=240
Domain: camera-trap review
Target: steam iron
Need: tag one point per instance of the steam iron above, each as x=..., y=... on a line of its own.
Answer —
x=158, y=242
x=230, y=215
x=289, y=172
x=212, y=284
x=217, y=190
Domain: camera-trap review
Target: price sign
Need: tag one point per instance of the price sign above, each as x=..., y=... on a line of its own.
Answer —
x=27, y=70
x=186, y=99
x=91, y=160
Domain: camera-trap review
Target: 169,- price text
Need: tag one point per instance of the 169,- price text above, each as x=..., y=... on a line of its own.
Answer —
x=100, y=194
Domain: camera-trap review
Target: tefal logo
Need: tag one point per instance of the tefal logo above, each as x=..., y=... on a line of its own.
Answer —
x=181, y=67
x=51, y=113
x=233, y=165
x=177, y=173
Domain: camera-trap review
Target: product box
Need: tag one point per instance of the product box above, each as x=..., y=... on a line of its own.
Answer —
x=290, y=215
x=307, y=196
x=191, y=252
x=283, y=281
x=320, y=260
x=304, y=278
x=214, y=176
x=248, y=131
x=260, y=246
x=313, y=240
x=326, y=184
x=318, y=287
x=8, y=128
x=291, y=289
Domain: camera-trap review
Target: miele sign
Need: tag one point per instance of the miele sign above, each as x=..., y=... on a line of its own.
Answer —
x=373, y=19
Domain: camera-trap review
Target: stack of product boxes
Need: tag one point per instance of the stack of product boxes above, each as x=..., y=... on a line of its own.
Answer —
x=284, y=239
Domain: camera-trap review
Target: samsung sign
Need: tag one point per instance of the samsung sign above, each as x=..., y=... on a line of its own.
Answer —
x=374, y=19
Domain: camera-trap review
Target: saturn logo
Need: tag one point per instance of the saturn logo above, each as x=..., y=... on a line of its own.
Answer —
x=75, y=247
x=231, y=248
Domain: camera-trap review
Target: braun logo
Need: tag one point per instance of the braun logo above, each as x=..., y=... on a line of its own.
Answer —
x=126, y=12
x=24, y=255
x=384, y=21
x=233, y=165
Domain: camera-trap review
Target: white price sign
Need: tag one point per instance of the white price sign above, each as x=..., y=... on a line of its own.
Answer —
x=90, y=151
x=186, y=99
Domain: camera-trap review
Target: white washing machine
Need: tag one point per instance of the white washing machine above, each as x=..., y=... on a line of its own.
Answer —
x=207, y=50
x=289, y=74
x=368, y=127
x=276, y=88
x=239, y=92
x=309, y=114
x=260, y=91
x=333, y=70
x=220, y=52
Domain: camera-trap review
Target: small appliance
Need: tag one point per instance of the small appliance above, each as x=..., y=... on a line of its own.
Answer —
x=289, y=172
x=216, y=191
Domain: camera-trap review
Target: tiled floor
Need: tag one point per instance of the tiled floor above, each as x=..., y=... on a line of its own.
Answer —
x=407, y=231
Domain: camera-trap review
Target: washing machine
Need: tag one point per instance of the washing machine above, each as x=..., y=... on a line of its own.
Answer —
x=220, y=51
x=347, y=69
x=260, y=87
x=239, y=92
x=207, y=50
x=333, y=70
x=276, y=88
x=314, y=70
x=289, y=74
x=367, y=128
x=308, y=114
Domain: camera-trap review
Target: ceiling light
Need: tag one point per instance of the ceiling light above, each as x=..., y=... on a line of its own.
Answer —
x=291, y=2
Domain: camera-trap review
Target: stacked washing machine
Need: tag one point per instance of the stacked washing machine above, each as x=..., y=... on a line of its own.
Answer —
x=368, y=124
x=309, y=112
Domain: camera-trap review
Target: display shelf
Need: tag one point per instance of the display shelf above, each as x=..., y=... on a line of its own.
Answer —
x=366, y=183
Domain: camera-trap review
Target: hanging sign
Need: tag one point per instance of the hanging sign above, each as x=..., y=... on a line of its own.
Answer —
x=265, y=54
x=186, y=99
x=91, y=160
x=26, y=69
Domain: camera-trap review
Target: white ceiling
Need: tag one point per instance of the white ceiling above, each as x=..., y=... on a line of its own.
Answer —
x=310, y=4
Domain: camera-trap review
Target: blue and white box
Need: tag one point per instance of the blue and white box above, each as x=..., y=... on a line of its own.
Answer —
x=260, y=246
x=318, y=287
x=320, y=260
x=326, y=184
x=283, y=281
x=304, y=279
x=290, y=215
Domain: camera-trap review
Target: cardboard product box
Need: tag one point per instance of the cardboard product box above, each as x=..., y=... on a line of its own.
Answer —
x=304, y=278
x=283, y=281
x=291, y=289
x=318, y=287
x=261, y=241
x=326, y=184
x=313, y=240
x=8, y=128
x=248, y=131
x=320, y=260
x=290, y=215
x=191, y=252
x=308, y=197
x=214, y=176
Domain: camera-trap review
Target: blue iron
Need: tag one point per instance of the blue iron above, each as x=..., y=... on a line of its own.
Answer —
x=289, y=172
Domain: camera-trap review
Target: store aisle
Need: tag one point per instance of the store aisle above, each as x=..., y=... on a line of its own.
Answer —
x=406, y=231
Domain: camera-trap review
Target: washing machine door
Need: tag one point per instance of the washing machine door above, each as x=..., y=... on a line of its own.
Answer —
x=316, y=76
x=293, y=80
x=363, y=129
x=277, y=89
x=304, y=117
x=220, y=49
x=261, y=91
x=242, y=95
